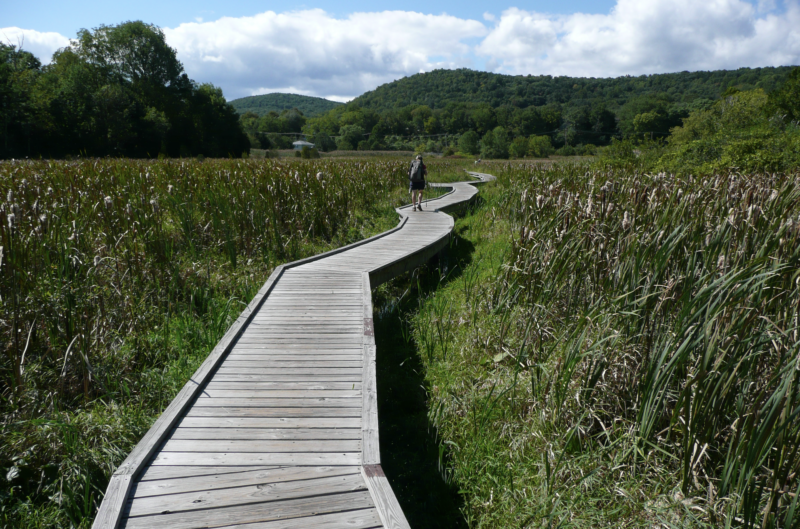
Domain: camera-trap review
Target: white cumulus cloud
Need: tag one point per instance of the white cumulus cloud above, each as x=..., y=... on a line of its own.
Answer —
x=327, y=56
x=41, y=44
x=643, y=37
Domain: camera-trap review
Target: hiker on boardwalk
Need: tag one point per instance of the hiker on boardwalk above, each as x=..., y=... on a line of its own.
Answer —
x=416, y=177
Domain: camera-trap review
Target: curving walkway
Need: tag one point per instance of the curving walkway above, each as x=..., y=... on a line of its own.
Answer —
x=279, y=426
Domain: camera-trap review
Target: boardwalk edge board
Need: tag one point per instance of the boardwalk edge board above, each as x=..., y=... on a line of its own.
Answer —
x=121, y=483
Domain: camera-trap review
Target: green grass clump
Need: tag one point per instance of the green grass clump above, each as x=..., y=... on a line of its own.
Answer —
x=621, y=349
x=117, y=277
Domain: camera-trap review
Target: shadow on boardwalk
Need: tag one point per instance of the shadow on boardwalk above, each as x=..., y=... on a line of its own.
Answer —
x=409, y=447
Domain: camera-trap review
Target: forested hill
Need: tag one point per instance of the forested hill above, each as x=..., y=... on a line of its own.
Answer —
x=438, y=88
x=264, y=104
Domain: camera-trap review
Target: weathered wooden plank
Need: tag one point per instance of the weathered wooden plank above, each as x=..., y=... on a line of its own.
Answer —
x=284, y=402
x=262, y=445
x=279, y=393
x=369, y=424
x=259, y=512
x=240, y=459
x=360, y=519
x=270, y=422
x=226, y=479
x=318, y=371
x=249, y=494
x=301, y=357
x=385, y=501
x=298, y=349
x=207, y=472
x=320, y=348
x=235, y=377
x=268, y=363
x=281, y=386
x=266, y=433
x=199, y=411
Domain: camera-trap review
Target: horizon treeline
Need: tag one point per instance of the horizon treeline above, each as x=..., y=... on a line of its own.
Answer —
x=114, y=91
x=433, y=110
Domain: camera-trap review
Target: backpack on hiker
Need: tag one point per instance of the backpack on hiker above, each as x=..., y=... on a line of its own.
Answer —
x=416, y=173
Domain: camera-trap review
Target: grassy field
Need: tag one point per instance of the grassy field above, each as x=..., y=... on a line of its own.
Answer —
x=116, y=279
x=617, y=349
x=598, y=347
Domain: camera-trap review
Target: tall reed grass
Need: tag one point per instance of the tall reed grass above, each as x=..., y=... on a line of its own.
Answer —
x=634, y=360
x=118, y=276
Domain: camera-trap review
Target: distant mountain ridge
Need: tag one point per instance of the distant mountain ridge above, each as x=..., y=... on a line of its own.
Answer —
x=439, y=87
x=278, y=102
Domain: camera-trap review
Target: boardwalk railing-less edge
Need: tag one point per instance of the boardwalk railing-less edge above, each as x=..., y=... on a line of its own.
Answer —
x=278, y=428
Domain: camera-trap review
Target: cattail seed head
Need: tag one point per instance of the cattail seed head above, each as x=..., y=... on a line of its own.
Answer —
x=10, y=196
x=108, y=201
x=626, y=221
x=610, y=208
x=539, y=201
x=169, y=189
x=773, y=195
x=11, y=218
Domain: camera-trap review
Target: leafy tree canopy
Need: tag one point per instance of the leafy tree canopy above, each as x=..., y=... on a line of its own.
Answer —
x=264, y=104
x=115, y=91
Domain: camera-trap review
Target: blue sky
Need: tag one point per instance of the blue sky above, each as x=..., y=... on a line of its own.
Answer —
x=66, y=17
x=340, y=50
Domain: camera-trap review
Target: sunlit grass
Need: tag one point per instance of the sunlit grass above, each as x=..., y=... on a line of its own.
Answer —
x=621, y=350
x=116, y=279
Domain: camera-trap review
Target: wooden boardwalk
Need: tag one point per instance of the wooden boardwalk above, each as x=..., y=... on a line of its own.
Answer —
x=279, y=426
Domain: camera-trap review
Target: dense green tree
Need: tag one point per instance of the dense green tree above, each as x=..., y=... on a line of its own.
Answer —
x=468, y=142
x=494, y=143
x=349, y=137
x=21, y=119
x=571, y=111
x=263, y=104
x=518, y=147
x=116, y=90
x=323, y=142
x=540, y=146
x=786, y=101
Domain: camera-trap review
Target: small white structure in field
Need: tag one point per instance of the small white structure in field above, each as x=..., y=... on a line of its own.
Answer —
x=298, y=145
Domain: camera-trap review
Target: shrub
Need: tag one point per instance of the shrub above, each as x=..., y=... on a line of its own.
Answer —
x=540, y=146
x=309, y=153
x=567, y=150
x=518, y=147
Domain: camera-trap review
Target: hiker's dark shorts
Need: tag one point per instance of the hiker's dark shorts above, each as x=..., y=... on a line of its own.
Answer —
x=416, y=186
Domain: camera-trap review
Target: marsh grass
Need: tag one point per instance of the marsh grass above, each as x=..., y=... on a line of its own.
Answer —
x=116, y=279
x=622, y=350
